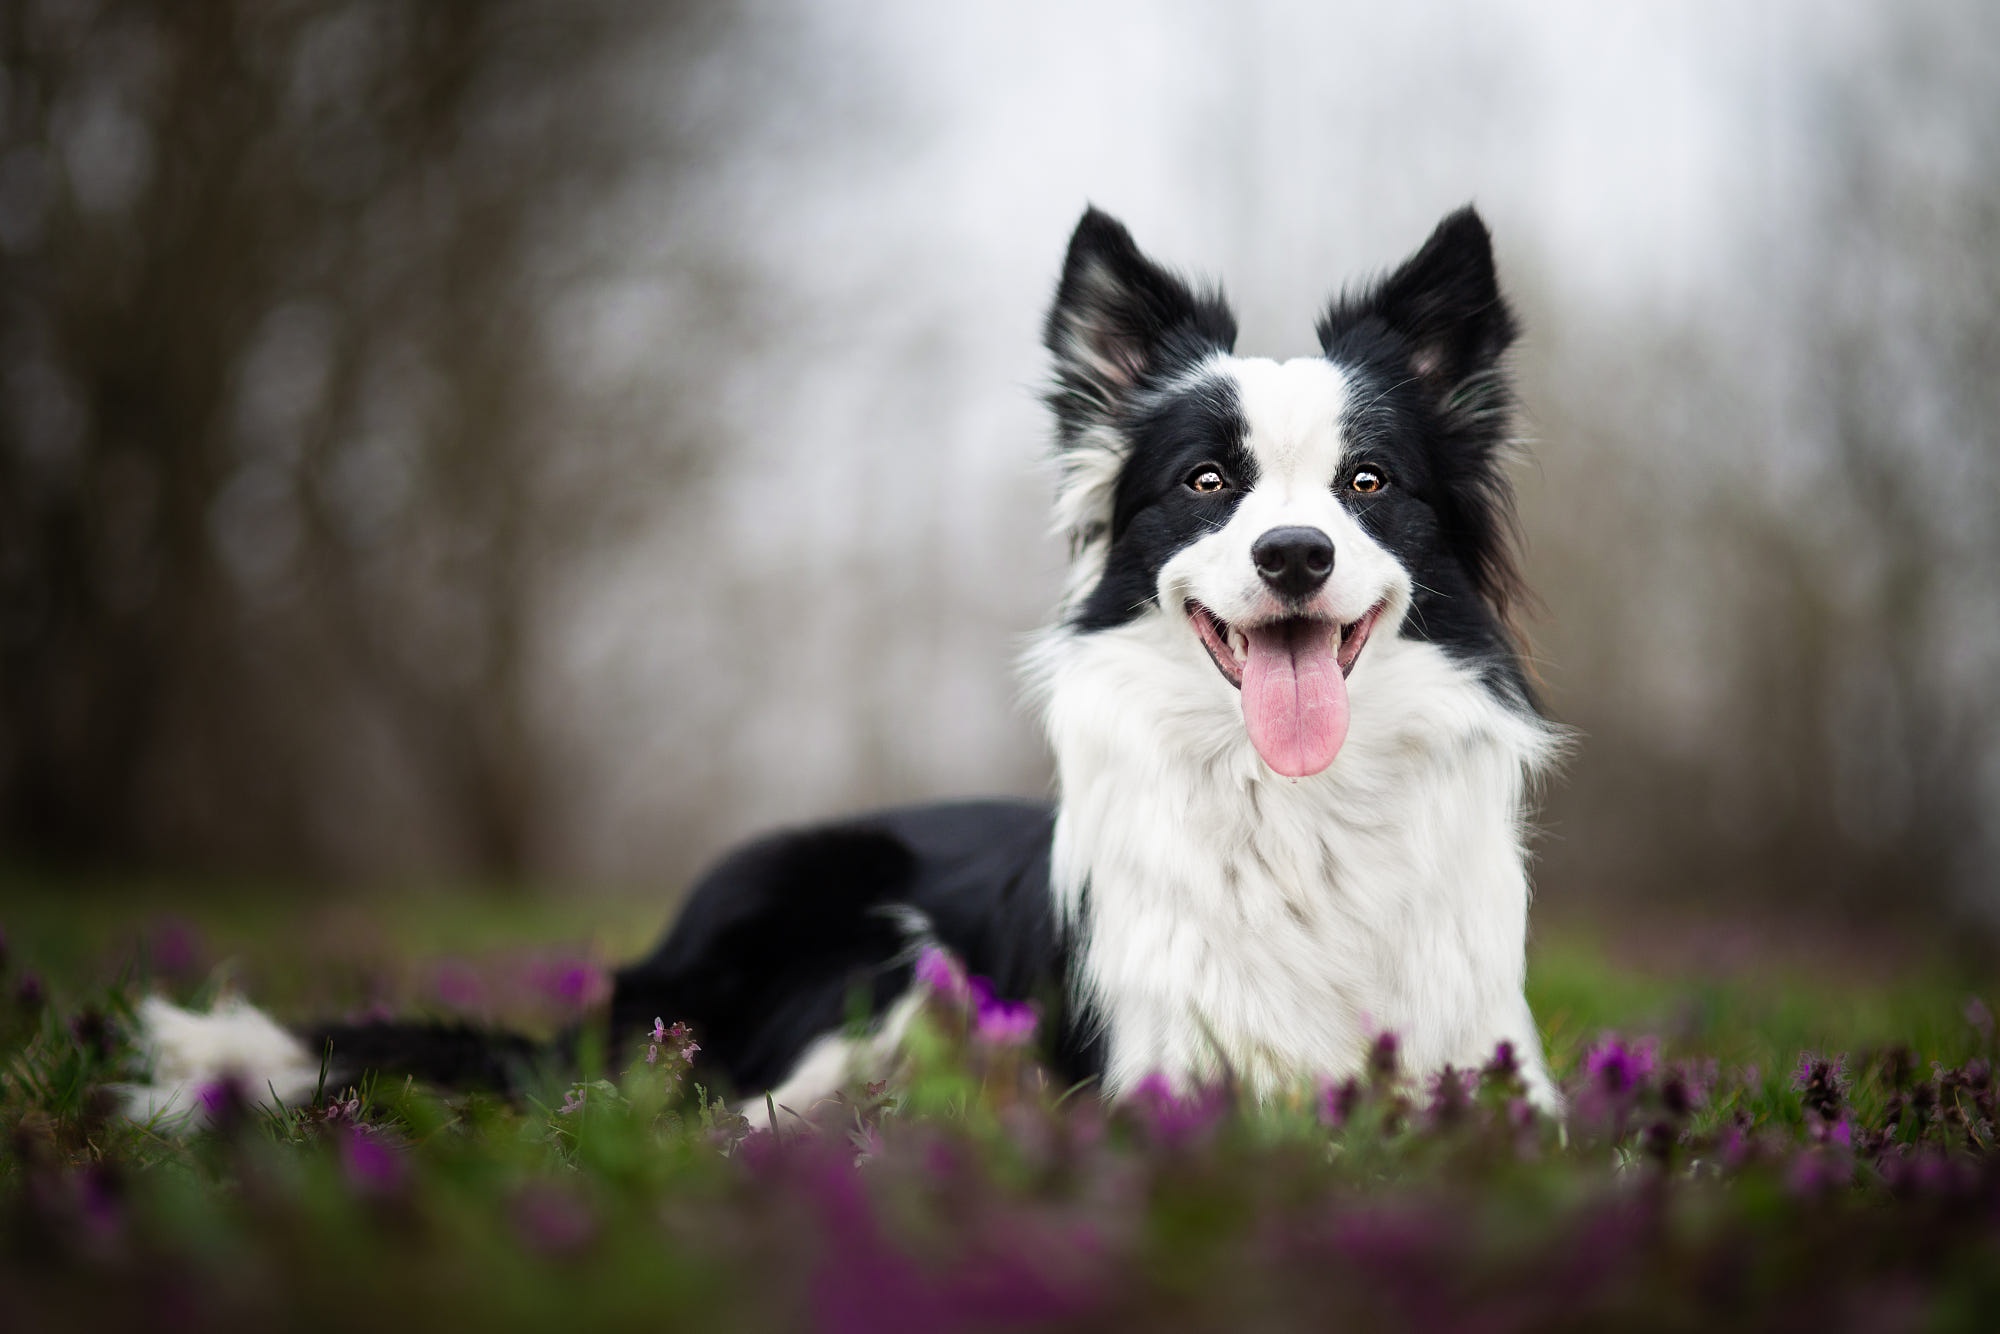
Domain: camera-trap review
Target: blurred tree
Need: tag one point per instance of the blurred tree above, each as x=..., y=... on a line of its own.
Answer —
x=1784, y=629
x=281, y=453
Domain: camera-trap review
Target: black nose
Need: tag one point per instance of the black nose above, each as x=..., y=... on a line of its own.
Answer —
x=1293, y=561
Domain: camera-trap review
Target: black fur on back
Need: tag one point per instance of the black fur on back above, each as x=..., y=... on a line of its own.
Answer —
x=792, y=936
x=452, y=1055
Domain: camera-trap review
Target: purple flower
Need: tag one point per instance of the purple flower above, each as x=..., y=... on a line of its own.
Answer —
x=1839, y=1133
x=1979, y=1017
x=573, y=984
x=1001, y=1023
x=224, y=1102
x=679, y=1040
x=174, y=946
x=1177, y=1120
x=370, y=1164
x=1338, y=1102
x=1504, y=1068
x=1451, y=1097
x=30, y=994
x=1821, y=1083
x=339, y=1110
x=1619, y=1068
x=1385, y=1060
x=572, y=1102
x=940, y=973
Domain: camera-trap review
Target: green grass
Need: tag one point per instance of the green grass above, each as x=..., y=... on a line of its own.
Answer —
x=969, y=1192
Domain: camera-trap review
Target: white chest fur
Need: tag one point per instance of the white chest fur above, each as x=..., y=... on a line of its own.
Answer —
x=1228, y=918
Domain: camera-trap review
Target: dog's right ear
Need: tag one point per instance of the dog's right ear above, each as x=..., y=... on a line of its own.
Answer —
x=1119, y=322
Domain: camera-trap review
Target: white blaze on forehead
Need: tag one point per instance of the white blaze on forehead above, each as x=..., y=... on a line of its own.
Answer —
x=1293, y=410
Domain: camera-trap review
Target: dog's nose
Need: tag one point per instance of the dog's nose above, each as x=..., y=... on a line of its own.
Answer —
x=1293, y=561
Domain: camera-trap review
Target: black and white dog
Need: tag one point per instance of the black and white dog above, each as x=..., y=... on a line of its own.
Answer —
x=1291, y=730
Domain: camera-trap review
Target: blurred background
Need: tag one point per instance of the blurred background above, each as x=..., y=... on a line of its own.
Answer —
x=534, y=442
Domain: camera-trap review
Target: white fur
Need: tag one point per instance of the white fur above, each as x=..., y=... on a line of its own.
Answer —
x=1227, y=918
x=186, y=1051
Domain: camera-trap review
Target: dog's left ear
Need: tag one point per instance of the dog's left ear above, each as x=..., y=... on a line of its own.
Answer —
x=1443, y=304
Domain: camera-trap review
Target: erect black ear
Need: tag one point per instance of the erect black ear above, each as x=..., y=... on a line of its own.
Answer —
x=1120, y=321
x=1444, y=305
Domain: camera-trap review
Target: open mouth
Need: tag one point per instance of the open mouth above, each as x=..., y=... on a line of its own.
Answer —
x=1230, y=646
x=1292, y=673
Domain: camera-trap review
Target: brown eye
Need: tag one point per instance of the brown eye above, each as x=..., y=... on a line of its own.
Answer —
x=1206, y=480
x=1366, y=480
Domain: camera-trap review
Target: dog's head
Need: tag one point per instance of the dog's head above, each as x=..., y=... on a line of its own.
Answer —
x=1288, y=514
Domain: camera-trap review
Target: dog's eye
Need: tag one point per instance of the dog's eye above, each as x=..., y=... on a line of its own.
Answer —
x=1367, y=479
x=1206, y=479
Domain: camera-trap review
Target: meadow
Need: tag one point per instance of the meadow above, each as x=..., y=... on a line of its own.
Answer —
x=1765, y=1131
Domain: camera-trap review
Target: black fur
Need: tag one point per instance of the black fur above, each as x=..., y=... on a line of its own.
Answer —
x=790, y=937
x=1122, y=329
x=454, y=1055
x=1119, y=324
x=1427, y=344
x=1155, y=514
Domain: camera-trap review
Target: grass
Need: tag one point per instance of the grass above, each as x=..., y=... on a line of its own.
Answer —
x=1707, y=1175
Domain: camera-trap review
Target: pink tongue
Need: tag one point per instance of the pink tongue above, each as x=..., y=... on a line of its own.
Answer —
x=1294, y=697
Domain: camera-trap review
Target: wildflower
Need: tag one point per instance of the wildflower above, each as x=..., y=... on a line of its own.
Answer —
x=1339, y=1102
x=1001, y=1023
x=1177, y=1119
x=941, y=974
x=1838, y=1133
x=573, y=984
x=1504, y=1068
x=30, y=994
x=1450, y=1098
x=1821, y=1083
x=1384, y=1059
x=1980, y=1017
x=224, y=1103
x=1618, y=1068
x=370, y=1164
x=342, y=1110
x=678, y=1040
x=572, y=1101
x=174, y=946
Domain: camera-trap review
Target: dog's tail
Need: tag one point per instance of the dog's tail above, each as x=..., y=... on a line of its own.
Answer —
x=200, y=1063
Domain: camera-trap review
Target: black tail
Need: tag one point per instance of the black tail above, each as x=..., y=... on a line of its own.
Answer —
x=454, y=1056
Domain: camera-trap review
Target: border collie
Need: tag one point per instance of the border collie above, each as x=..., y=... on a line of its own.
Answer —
x=1291, y=729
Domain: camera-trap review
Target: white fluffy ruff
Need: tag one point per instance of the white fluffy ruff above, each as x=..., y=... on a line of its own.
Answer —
x=1227, y=919
x=187, y=1051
